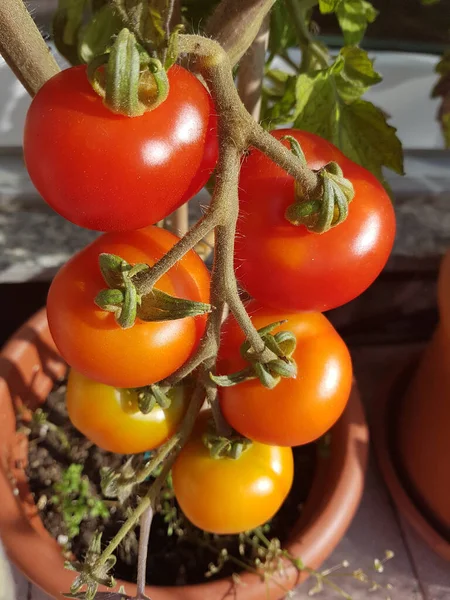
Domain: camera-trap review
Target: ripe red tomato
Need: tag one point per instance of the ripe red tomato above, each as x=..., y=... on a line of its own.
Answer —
x=90, y=340
x=110, y=172
x=226, y=495
x=297, y=411
x=290, y=268
x=110, y=417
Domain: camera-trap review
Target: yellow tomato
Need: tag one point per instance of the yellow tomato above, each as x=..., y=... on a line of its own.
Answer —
x=110, y=417
x=226, y=495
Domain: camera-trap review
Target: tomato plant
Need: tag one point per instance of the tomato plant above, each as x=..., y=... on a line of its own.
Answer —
x=110, y=172
x=110, y=417
x=89, y=338
x=296, y=411
x=226, y=495
x=288, y=267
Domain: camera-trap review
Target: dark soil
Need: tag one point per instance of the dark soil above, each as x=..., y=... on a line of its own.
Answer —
x=173, y=559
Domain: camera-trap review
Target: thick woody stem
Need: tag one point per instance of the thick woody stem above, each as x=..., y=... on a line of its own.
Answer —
x=23, y=47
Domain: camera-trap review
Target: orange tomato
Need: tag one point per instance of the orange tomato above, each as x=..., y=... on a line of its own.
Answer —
x=296, y=411
x=110, y=417
x=226, y=495
x=89, y=338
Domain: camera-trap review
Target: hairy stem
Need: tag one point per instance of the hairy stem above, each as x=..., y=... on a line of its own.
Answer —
x=145, y=281
x=23, y=47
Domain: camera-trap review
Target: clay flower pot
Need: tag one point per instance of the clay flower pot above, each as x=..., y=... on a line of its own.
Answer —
x=30, y=364
x=412, y=433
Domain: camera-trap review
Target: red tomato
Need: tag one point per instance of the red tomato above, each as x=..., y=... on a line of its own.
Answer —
x=226, y=495
x=110, y=417
x=286, y=266
x=297, y=411
x=90, y=340
x=110, y=172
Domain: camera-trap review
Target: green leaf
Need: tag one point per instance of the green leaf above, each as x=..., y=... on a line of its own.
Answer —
x=328, y=6
x=366, y=138
x=329, y=104
x=278, y=98
x=353, y=17
x=357, y=75
x=67, y=22
x=442, y=88
x=147, y=20
x=282, y=30
x=96, y=37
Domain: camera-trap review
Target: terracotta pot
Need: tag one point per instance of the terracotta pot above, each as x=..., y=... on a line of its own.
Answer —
x=412, y=433
x=30, y=363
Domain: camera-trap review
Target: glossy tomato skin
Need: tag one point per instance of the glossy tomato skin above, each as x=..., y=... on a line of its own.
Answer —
x=109, y=172
x=227, y=496
x=297, y=411
x=90, y=340
x=286, y=266
x=110, y=417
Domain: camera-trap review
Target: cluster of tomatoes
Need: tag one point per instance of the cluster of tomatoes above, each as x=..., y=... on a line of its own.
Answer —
x=119, y=175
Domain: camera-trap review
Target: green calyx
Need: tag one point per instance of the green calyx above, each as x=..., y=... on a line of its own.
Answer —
x=319, y=215
x=124, y=301
x=132, y=82
x=270, y=373
x=151, y=396
x=225, y=447
x=328, y=210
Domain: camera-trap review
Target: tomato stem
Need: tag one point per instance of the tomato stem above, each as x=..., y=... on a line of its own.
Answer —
x=23, y=48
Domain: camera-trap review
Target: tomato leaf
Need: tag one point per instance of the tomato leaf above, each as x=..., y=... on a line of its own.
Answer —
x=357, y=74
x=96, y=37
x=148, y=20
x=442, y=88
x=67, y=22
x=353, y=17
x=328, y=6
x=329, y=104
x=278, y=98
x=282, y=30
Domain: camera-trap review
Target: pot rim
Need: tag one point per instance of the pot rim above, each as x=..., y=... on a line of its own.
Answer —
x=334, y=497
x=384, y=423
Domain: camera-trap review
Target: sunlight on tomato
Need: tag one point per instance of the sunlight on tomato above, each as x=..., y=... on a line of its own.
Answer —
x=110, y=172
x=297, y=411
x=89, y=338
x=227, y=496
x=288, y=267
x=110, y=417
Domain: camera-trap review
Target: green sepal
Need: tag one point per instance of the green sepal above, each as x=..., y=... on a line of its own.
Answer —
x=234, y=378
x=331, y=209
x=96, y=37
x=111, y=267
x=110, y=300
x=295, y=148
x=159, y=306
x=151, y=395
x=225, y=447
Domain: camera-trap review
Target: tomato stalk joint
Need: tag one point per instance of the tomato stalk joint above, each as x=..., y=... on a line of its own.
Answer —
x=330, y=209
x=152, y=395
x=127, y=78
x=282, y=344
x=124, y=301
x=92, y=572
